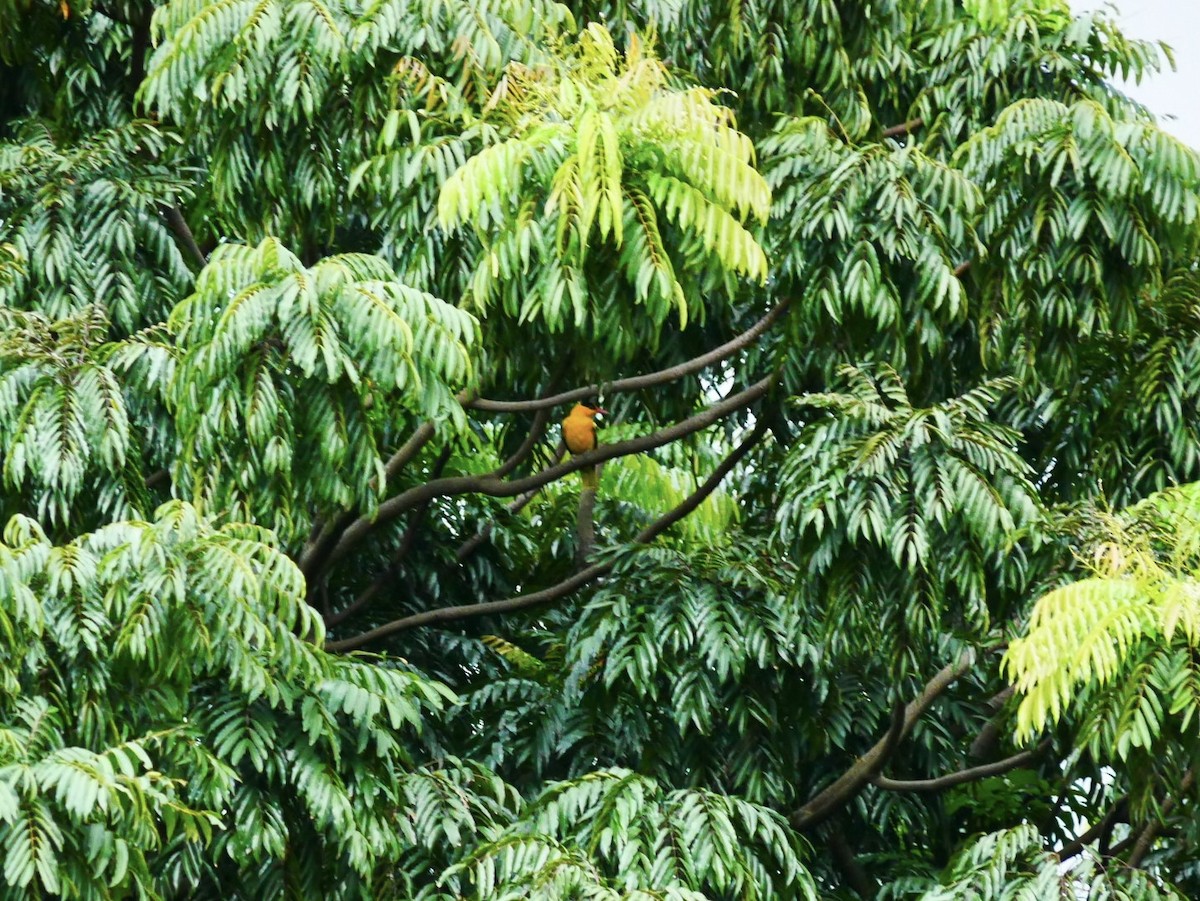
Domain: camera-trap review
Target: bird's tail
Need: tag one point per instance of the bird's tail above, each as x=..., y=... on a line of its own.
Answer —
x=590, y=480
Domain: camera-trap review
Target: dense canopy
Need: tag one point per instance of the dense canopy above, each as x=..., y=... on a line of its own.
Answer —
x=891, y=583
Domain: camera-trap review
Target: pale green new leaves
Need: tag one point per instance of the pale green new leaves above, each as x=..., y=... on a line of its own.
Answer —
x=301, y=368
x=1142, y=597
x=607, y=147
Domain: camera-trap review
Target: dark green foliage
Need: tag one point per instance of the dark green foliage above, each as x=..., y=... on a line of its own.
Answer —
x=913, y=291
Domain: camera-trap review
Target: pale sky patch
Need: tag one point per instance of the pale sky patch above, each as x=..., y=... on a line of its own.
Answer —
x=1173, y=96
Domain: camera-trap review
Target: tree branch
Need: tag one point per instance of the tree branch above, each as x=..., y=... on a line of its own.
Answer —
x=567, y=586
x=536, y=429
x=389, y=572
x=972, y=774
x=179, y=226
x=1105, y=825
x=496, y=487
x=1145, y=839
x=316, y=550
x=851, y=782
x=988, y=738
x=327, y=535
x=856, y=877
x=472, y=544
x=904, y=128
x=650, y=380
x=585, y=526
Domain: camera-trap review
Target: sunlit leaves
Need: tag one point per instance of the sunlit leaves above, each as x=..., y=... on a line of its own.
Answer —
x=607, y=150
x=1121, y=627
x=687, y=844
x=1012, y=865
x=288, y=373
x=124, y=745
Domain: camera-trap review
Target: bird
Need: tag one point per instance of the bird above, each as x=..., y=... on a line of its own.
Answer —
x=579, y=434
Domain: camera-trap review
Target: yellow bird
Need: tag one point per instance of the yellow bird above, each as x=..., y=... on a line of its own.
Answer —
x=579, y=434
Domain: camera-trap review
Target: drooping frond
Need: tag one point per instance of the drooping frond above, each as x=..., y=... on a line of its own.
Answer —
x=1117, y=628
x=84, y=227
x=1012, y=864
x=68, y=433
x=201, y=768
x=645, y=841
x=301, y=367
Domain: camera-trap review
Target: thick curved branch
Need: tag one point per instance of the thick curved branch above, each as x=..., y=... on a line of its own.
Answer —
x=850, y=783
x=393, y=568
x=179, y=226
x=496, y=487
x=567, y=586
x=1145, y=839
x=637, y=382
x=988, y=739
x=972, y=774
x=328, y=534
x=404, y=454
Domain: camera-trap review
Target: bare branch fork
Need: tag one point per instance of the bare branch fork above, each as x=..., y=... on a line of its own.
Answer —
x=866, y=768
x=567, y=586
x=315, y=557
x=493, y=486
x=393, y=568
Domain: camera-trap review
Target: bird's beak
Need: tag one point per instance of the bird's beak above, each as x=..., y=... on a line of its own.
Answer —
x=601, y=412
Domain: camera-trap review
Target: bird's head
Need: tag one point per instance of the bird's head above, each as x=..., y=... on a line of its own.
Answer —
x=589, y=408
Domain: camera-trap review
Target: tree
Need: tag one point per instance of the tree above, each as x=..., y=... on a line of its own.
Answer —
x=886, y=589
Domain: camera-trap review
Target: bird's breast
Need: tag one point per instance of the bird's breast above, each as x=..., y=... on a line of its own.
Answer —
x=579, y=434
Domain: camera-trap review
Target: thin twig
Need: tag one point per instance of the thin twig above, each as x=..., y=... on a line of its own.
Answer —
x=904, y=128
x=328, y=534
x=490, y=485
x=972, y=774
x=899, y=131
x=637, y=382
